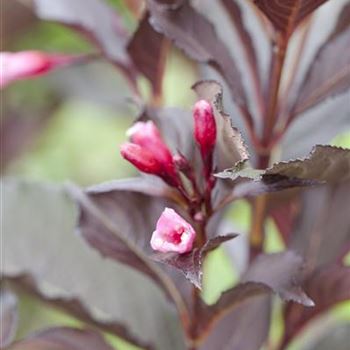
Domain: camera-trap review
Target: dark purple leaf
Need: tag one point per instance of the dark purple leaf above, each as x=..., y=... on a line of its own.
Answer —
x=112, y=223
x=324, y=163
x=322, y=230
x=270, y=273
x=322, y=236
x=115, y=297
x=305, y=131
x=19, y=129
x=94, y=18
x=329, y=73
x=74, y=307
x=266, y=184
x=215, y=242
x=190, y=264
x=280, y=272
x=148, y=50
x=234, y=331
x=196, y=36
x=284, y=211
x=229, y=301
x=119, y=225
x=63, y=338
x=235, y=13
x=8, y=317
x=286, y=15
x=148, y=185
x=269, y=183
x=327, y=286
x=17, y=19
x=17, y=133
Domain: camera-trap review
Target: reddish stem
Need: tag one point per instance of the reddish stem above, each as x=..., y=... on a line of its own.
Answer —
x=279, y=53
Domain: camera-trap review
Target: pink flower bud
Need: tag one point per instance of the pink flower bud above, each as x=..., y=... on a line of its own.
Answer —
x=172, y=234
x=147, y=136
x=141, y=158
x=204, y=127
x=29, y=64
x=182, y=163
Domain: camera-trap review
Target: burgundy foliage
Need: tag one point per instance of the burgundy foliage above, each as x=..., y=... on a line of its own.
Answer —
x=96, y=261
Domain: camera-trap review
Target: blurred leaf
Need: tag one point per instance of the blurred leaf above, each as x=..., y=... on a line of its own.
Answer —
x=17, y=20
x=278, y=273
x=281, y=272
x=329, y=74
x=284, y=212
x=234, y=331
x=17, y=135
x=322, y=236
x=190, y=264
x=285, y=16
x=335, y=338
x=108, y=294
x=94, y=18
x=318, y=125
x=148, y=50
x=8, y=317
x=234, y=11
x=322, y=230
x=195, y=35
x=63, y=338
x=326, y=286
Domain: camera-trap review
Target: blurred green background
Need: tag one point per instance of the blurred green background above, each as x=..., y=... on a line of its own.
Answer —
x=80, y=139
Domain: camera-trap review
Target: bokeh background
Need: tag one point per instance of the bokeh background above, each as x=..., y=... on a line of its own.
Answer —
x=69, y=125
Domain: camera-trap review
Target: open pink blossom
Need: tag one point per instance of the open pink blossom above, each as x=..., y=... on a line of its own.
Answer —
x=173, y=233
x=30, y=64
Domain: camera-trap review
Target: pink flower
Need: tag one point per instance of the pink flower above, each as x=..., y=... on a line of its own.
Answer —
x=172, y=234
x=141, y=158
x=29, y=64
x=204, y=127
x=147, y=136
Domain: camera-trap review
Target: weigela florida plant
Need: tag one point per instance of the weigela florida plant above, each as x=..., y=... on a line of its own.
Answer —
x=156, y=230
x=148, y=152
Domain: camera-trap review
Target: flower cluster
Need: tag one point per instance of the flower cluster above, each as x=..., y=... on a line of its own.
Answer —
x=148, y=152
